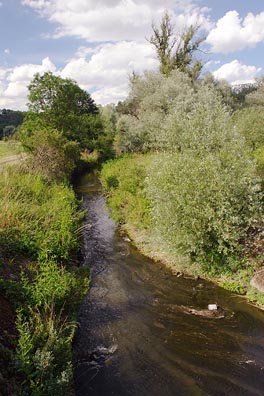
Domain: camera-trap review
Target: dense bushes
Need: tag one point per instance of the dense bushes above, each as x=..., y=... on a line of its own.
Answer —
x=200, y=183
x=199, y=207
x=203, y=206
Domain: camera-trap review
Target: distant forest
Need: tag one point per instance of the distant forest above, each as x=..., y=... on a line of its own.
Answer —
x=9, y=121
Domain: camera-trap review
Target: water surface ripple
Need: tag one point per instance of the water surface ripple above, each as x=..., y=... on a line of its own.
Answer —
x=140, y=332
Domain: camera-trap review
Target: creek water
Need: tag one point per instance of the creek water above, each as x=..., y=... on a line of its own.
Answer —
x=141, y=331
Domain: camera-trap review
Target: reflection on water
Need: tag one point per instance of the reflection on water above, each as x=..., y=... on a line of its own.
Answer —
x=142, y=331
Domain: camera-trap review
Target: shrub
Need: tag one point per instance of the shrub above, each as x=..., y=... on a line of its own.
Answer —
x=52, y=154
x=250, y=123
x=203, y=206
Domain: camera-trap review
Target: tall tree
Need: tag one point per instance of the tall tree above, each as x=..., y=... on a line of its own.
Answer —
x=176, y=51
x=61, y=104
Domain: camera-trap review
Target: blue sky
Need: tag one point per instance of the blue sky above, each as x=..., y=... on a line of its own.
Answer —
x=99, y=42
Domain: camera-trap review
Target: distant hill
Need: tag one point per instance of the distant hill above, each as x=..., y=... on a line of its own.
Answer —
x=9, y=121
x=246, y=87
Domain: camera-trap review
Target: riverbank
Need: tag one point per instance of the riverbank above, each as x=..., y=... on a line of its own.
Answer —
x=124, y=185
x=145, y=332
x=41, y=285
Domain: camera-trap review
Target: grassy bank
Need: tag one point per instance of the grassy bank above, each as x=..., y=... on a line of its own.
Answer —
x=126, y=183
x=39, y=241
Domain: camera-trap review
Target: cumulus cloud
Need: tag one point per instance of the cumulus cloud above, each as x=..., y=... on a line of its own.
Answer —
x=15, y=82
x=233, y=33
x=236, y=73
x=114, y=20
x=106, y=72
x=116, y=32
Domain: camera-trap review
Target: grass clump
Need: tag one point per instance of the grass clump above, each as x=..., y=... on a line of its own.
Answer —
x=124, y=183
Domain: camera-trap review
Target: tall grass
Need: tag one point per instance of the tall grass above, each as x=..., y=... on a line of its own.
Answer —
x=123, y=181
x=39, y=221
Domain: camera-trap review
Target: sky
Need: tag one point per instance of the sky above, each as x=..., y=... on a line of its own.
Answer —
x=99, y=43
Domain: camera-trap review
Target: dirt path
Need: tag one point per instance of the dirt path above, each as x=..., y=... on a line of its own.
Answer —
x=12, y=159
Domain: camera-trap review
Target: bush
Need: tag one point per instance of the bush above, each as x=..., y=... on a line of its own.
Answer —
x=52, y=154
x=250, y=123
x=203, y=206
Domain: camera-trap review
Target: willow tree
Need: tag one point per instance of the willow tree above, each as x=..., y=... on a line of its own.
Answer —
x=176, y=51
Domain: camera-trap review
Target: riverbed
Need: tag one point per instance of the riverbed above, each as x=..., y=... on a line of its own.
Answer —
x=146, y=332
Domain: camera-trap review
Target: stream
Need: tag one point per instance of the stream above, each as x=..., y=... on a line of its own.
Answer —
x=145, y=332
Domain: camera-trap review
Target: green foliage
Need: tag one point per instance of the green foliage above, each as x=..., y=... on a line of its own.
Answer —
x=203, y=206
x=56, y=96
x=37, y=218
x=40, y=220
x=45, y=330
x=9, y=121
x=123, y=182
x=256, y=98
x=44, y=352
x=259, y=156
x=250, y=123
x=52, y=285
x=60, y=104
x=173, y=115
x=157, y=97
x=51, y=153
x=199, y=124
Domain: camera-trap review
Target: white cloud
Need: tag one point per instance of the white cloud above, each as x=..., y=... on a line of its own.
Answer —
x=114, y=20
x=7, y=51
x=236, y=73
x=106, y=72
x=15, y=82
x=104, y=75
x=233, y=33
x=27, y=71
x=210, y=63
x=116, y=31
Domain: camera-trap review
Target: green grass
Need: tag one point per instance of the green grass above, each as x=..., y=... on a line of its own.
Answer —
x=9, y=148
x=39, y=224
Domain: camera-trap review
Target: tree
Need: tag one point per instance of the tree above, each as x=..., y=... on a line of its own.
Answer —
x=176, y=52
x=61, y=104
x=9, y=121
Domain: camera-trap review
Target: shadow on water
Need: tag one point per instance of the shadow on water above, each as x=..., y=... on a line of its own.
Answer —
x=140, y=328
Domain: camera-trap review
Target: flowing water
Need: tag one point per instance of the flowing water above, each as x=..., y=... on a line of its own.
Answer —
x=144, y=332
